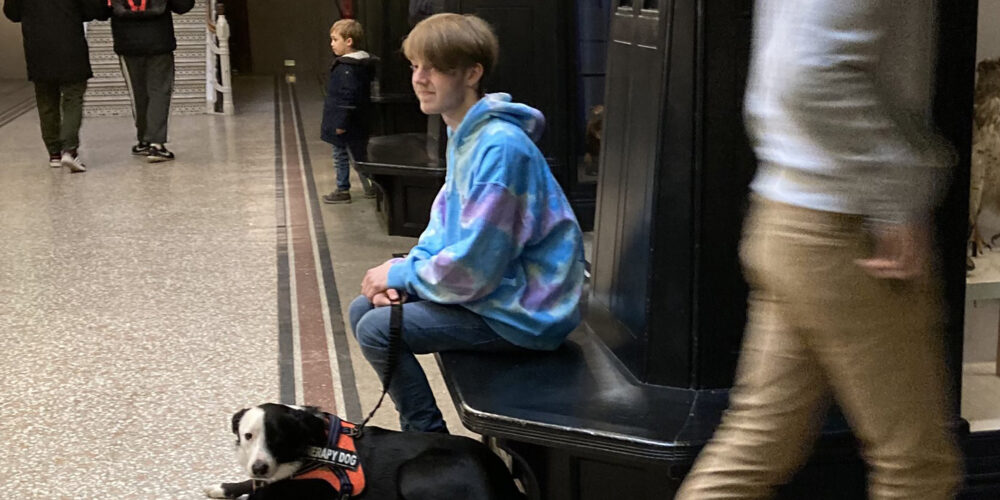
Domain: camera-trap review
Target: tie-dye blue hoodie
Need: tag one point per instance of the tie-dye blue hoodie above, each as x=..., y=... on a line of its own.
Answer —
x=502, y=239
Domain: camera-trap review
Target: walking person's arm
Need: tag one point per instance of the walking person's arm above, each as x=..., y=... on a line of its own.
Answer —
x=94, y=9
x=835, y=98
x=181, y=6
x=12, y=9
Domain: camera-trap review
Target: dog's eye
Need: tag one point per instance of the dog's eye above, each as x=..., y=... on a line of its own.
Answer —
x=248, y=436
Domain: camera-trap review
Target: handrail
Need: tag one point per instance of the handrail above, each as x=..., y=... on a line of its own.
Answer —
x=217, y=39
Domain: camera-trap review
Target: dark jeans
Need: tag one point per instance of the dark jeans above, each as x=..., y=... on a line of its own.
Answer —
x=150, y=81
x=427, y=327
x=342, y=164
x=60, y=111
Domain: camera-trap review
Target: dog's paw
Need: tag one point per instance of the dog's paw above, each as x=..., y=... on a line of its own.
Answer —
x=229, y=490
x=215, y=491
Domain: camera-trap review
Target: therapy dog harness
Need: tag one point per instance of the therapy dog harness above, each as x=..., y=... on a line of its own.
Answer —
x=337, y=463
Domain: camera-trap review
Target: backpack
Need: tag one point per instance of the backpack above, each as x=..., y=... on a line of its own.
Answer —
x=137, y=9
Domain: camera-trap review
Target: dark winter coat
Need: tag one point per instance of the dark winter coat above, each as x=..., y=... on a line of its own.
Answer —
x=55, y=48
x=348, y=102
x=147, y=37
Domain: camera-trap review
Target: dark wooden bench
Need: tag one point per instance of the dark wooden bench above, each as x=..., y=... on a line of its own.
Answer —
x=407, y=175
x=578, y=425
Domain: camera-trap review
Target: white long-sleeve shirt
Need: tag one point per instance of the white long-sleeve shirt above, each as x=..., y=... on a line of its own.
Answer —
x=838, y=106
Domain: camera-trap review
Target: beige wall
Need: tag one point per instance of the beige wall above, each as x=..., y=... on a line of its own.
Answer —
x=989, y=30
x=11, y=50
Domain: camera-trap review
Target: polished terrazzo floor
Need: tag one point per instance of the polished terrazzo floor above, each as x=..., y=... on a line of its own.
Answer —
x=139, y=306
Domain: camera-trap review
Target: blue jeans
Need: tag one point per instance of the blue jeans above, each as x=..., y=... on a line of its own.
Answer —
x=342, y=164
x=427, y=327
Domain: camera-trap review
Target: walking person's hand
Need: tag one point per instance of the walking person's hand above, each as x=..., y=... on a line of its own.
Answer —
x=901, y=252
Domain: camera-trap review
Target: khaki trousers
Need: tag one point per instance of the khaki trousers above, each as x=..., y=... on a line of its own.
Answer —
x=820, y=329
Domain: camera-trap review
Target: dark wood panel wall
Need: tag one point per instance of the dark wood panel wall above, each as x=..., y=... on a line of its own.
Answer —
x=674, y=176
x=672, y=188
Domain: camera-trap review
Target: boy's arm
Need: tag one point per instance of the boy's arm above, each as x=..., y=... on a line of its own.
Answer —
x=343, y=96
x=348, y=97
x=495, y=226
x=12, y=9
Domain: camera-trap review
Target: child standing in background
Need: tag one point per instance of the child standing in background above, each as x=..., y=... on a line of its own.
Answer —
x=345, y=109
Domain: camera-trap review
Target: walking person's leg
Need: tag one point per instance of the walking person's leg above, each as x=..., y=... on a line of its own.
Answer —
x=780, y=396
x=881, y=343
x=72, y=114
x=160, y=85
x=427, y=328
x=134, y=70
x=72, y=117
x=49, y=117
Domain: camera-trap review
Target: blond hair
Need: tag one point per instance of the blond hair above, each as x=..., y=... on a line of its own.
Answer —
x=349, y=28
x=453, y=41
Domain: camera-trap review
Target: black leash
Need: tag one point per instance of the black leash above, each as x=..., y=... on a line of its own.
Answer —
x=395, y=341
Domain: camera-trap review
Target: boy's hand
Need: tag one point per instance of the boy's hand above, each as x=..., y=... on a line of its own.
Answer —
x=340, y=131
x=376, y=280
x=388, y=297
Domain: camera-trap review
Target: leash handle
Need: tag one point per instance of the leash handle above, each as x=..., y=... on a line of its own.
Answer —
x=395, y=342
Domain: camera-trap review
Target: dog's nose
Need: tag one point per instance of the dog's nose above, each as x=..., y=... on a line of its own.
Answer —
x=259, y=468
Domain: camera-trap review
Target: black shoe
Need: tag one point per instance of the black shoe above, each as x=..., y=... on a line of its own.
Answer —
x=55, y=160
x=337, y=197
x=141, y=149
x=158, y=153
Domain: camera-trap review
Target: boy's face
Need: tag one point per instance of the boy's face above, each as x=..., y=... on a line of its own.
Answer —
x=340, y=45
x=439, y=92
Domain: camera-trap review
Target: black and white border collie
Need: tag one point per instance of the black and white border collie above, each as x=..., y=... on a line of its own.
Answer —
x=273, y=442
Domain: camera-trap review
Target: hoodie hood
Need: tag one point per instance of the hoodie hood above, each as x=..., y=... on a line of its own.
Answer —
x=356, y=58
x=500, y=106
x=357, y=54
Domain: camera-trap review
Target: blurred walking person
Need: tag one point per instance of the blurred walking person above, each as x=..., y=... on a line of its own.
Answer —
x=836, y=249
x=55, y=51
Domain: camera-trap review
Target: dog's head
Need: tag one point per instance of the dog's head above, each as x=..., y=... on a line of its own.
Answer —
x=272, y=439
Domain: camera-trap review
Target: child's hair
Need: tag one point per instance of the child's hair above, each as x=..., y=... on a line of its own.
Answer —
x=349, y=28
x=452, y=41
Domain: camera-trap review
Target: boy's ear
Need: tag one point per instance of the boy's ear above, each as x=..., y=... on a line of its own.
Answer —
x=474, y=75
x=349, y=42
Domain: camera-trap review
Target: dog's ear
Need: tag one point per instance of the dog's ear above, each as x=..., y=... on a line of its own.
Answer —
x=236, y=420
x=310, y=425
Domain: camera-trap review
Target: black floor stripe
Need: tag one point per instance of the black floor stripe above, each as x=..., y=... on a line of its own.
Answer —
x=286, y=350
x=352, y=403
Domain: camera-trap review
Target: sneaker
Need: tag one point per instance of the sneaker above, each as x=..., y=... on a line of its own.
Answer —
x=157, y=153
x=141, y=149
x=55, y=160
x=72, y=161
x=336, y=197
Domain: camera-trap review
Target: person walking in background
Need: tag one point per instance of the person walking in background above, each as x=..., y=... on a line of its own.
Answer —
x=145, y=43
x=55, y=51
x=347, y=105
x=837, y=252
